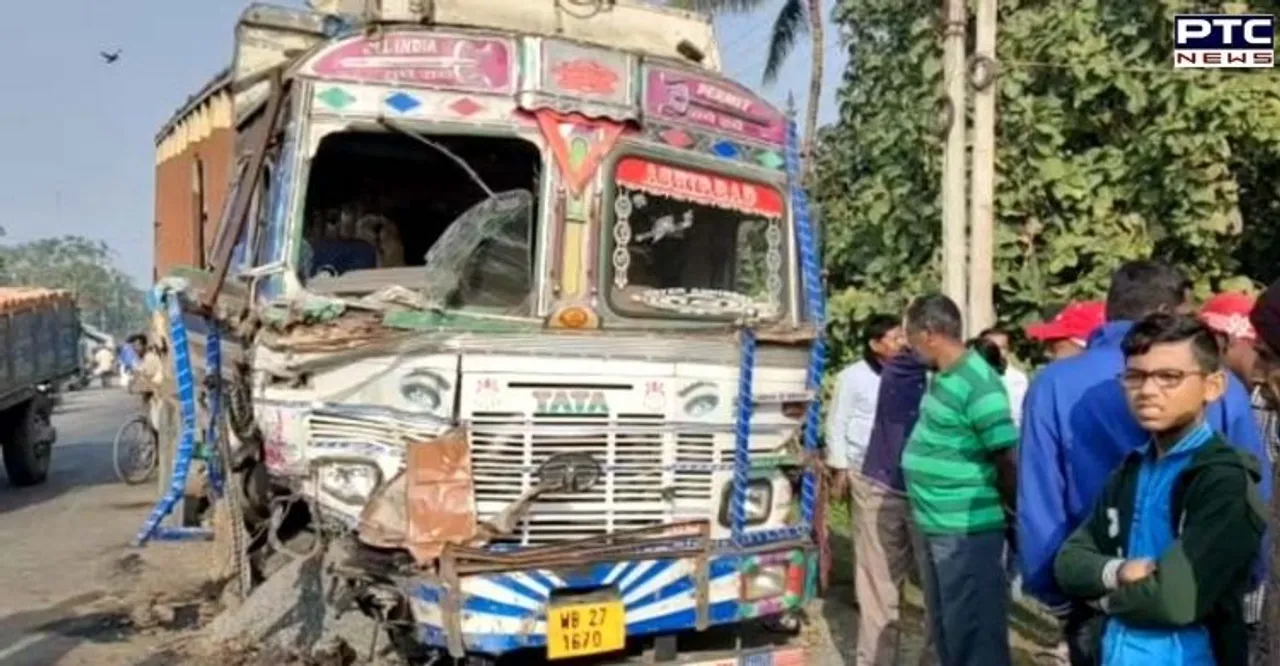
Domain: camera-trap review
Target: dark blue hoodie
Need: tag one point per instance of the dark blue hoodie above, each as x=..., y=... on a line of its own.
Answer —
x=903, y=381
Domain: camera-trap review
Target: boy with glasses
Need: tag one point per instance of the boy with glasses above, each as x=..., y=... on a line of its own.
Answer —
x=1077, y=427
x=1166, y=553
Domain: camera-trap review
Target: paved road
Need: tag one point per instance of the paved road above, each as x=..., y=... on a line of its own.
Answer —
x=64, y=545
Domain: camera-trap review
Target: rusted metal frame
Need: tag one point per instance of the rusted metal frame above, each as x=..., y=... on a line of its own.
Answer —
x=629, y=539
x=702, y=585
x=473, y=561
x=197, y=212
x=575, y=561
x=451, y=606
x=244, y=195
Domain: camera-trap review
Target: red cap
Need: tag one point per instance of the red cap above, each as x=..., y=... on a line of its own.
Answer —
x=1076, y=322
x=1228, y=313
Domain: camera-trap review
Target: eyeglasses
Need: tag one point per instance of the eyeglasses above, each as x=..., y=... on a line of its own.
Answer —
x=1166, y=378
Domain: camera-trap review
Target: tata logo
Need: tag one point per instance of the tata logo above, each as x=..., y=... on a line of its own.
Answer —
x=571, y=402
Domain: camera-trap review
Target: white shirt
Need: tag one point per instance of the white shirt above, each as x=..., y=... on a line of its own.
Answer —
x=853, y=409
x=1015, y=383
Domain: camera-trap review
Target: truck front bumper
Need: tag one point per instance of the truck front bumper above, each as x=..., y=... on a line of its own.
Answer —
x=668, y=580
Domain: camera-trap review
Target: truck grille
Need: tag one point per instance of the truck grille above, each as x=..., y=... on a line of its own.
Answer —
x=641, y=485
x=370, y=427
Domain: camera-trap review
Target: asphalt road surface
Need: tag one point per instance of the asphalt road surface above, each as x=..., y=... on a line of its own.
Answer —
x=67, y=572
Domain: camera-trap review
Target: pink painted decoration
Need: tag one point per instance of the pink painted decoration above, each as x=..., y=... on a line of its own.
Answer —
x=424, y=59
x=718, y=105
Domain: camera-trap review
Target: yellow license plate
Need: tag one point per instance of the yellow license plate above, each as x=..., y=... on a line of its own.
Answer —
x=578, y=630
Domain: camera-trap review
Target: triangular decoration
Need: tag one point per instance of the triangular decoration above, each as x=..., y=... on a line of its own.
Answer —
x=579, y=143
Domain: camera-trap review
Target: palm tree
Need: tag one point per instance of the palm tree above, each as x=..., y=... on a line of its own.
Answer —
x=796, y=18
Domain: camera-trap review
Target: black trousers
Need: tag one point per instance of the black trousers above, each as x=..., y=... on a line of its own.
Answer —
x=1081, y=629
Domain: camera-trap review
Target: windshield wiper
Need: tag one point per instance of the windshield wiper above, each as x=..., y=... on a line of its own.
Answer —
x=391, y=124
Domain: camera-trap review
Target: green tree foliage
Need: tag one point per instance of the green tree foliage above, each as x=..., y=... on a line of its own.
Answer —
x=1104, y=153
x=107, y=297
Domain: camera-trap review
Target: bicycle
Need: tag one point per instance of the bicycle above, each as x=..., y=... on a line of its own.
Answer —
x=136, y=451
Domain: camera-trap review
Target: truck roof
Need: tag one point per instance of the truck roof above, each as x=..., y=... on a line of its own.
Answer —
x=635, y=26
x=213, y=86
x=631, y=25
x=17, y=298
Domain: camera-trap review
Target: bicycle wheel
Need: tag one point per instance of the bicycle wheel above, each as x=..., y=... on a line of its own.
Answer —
x=135, y=451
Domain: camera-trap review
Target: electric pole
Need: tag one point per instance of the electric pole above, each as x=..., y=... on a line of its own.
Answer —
x=953, y=161
x=982, y=76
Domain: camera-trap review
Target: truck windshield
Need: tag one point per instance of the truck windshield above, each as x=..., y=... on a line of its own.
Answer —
x=691, y=244
x=384, y=210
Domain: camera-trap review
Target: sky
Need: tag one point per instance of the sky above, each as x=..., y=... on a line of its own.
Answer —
x=77, y=136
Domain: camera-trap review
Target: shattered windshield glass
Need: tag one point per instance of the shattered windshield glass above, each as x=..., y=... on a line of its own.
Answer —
x=687, y=243
x=484, y=258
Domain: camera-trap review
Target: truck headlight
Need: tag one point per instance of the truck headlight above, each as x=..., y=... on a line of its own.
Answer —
x=349, y=482
x=757, y=505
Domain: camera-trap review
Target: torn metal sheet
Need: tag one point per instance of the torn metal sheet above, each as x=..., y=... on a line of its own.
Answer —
x=429, y=505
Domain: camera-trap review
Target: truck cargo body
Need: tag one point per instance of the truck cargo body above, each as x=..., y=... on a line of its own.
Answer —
x=39, y=347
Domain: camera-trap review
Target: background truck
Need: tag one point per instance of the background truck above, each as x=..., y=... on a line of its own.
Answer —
x=39, y=348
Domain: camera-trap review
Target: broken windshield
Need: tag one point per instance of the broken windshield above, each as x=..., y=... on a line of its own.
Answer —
x=688, y=243
x=391, y=209
x=482, y=259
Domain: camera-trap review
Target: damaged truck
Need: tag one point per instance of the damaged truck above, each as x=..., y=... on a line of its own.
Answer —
x=520, y=302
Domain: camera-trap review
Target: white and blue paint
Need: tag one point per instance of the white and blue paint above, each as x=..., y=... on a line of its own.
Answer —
x=502, y=612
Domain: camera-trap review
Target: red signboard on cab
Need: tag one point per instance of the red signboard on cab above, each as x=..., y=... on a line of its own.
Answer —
x=433, y=60
x=684, y=97
x=699, y=187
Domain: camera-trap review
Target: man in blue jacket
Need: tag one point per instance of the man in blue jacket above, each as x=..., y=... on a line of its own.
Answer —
x=1077, y=428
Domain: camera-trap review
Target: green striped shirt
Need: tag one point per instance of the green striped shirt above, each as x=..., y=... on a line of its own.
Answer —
x=948, y=461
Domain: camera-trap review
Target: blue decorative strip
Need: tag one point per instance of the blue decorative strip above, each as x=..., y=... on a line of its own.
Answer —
x=590, y=577
x=723, y=566
x=502, y=643
x=678, y=587
x=721, y=613
x=763, y=537
x=426, y=593
x=515, y=586
x=540, y=579
x=742, y=434
x=475, y=604
x=654, y=571
x=185, y=379
x=811, y=274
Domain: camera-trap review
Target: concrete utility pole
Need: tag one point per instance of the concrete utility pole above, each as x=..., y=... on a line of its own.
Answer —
x=981, y=200
x=953, y=162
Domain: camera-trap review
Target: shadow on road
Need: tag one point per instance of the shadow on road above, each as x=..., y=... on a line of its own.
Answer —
x=75, y=466
x=86, y=423
x=43, y=637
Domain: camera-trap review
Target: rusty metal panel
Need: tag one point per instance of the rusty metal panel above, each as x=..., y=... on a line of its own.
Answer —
x=440, y=502
x=429, y=504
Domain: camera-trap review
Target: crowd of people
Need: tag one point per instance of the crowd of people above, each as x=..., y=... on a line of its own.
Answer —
x=1124, y=485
